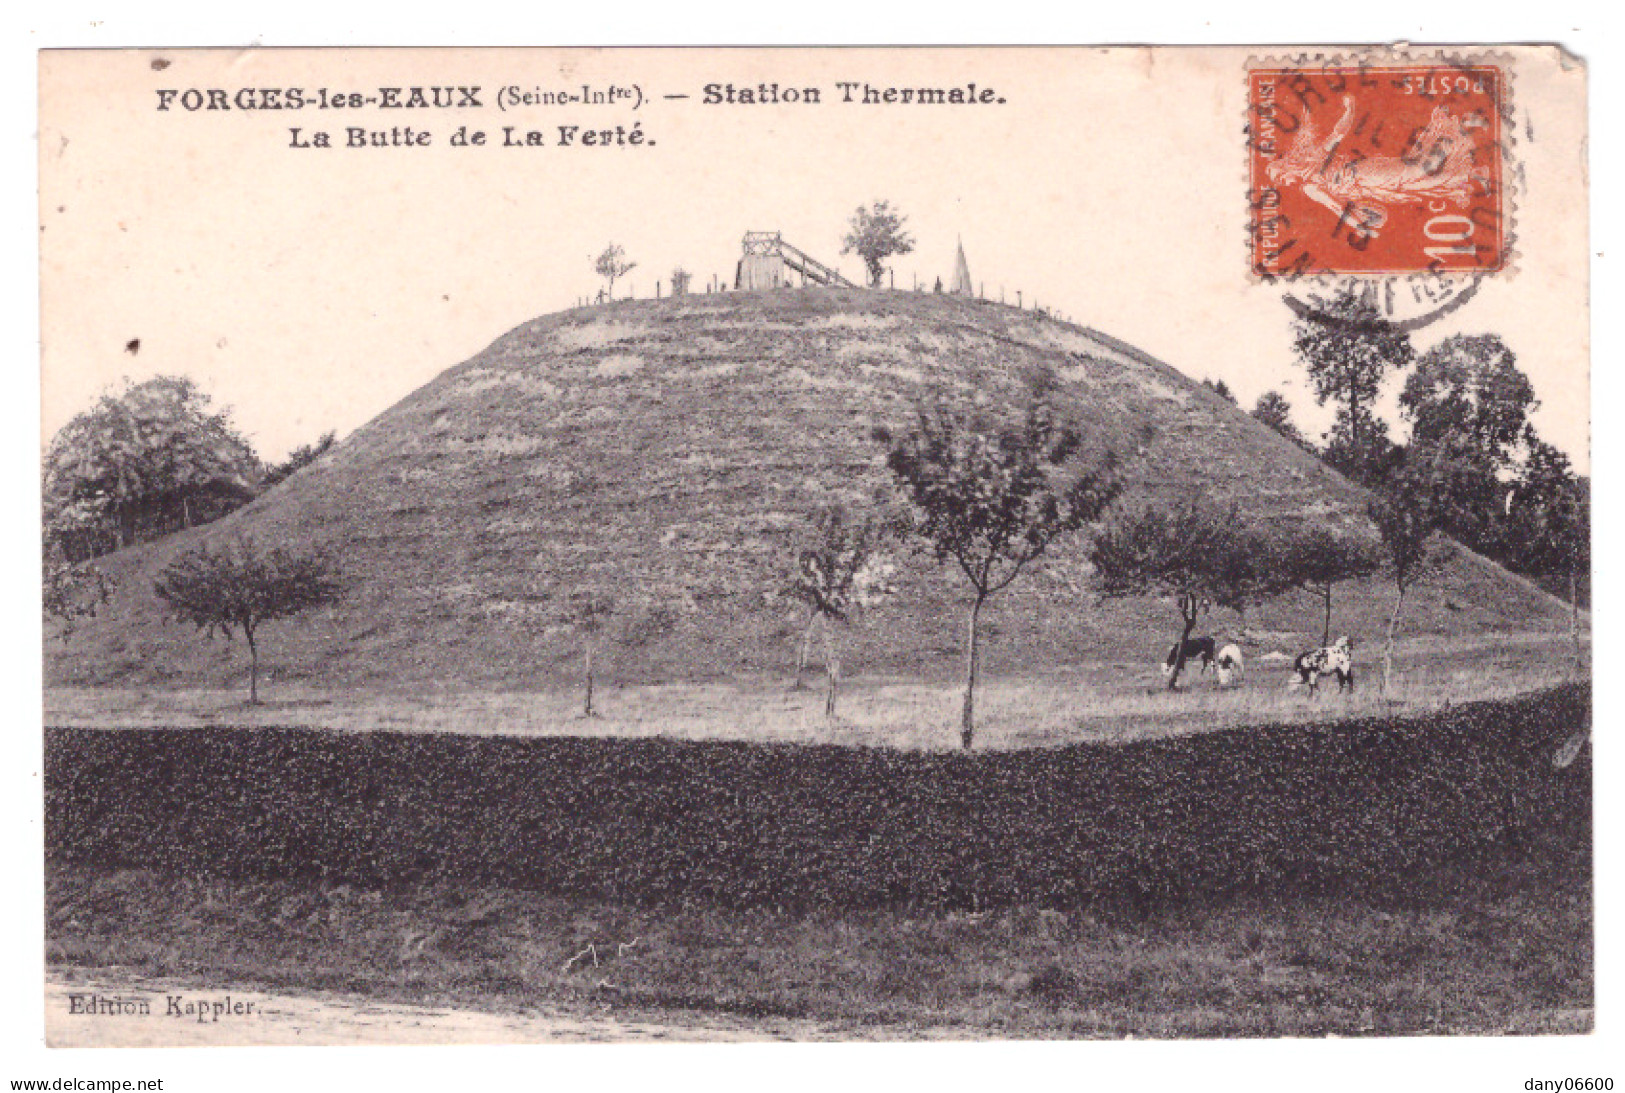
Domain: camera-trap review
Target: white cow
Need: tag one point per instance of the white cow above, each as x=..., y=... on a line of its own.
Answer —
x=1228, y=663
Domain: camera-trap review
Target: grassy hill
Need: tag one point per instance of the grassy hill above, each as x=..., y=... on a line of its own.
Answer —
x=666, y=452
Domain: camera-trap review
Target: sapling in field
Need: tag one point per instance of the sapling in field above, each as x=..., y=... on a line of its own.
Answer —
x=1318, y=558
x=1195, y=554
x=239, y=587
x=990, y=495
x=1406, y=515
x=841, y=568
x=589, y=612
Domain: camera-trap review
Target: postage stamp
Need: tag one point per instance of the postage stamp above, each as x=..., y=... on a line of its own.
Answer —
x=1377, y=169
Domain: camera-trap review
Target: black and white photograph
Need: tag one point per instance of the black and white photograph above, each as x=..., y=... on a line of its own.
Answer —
x=815, y=545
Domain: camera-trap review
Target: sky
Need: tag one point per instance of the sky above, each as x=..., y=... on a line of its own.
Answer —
x=309, y=289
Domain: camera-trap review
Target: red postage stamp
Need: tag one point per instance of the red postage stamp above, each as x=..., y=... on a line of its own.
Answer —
x=1377, y=170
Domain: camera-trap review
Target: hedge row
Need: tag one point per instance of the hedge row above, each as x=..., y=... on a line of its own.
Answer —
x=1384, y=809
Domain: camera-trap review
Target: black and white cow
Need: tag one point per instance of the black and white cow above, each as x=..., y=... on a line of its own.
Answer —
x=1335, y=659
x=1198, y=650
x=1229, y=665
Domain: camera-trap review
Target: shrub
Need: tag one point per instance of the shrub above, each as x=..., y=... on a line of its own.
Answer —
x=1398, y=810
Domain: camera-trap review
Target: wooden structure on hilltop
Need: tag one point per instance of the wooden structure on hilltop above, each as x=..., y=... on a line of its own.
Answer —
x=768, y=263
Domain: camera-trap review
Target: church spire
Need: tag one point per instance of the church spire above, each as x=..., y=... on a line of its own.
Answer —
x=961, y=285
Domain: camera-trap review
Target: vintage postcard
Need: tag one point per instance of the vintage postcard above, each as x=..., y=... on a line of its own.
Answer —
x=820, y=544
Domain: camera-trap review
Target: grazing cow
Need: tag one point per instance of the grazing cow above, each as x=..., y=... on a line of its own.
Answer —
x=1196, y=649
x=1228, y=663
x=1335, y=659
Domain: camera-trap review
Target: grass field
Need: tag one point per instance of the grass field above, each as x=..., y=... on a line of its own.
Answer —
x=1516, y=964
x=1109, y=702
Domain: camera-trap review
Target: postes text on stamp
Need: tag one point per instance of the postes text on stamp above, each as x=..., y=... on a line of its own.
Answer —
x=1377, y=170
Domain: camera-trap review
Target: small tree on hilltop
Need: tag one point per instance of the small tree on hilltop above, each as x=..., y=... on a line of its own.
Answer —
x=611, y=265
x=1317, y=559
x=589, y=612
x=239, y=588
x=876, y=234
x=841, y=569
x=1197, y=556
x=680, y=279
x=991, y=497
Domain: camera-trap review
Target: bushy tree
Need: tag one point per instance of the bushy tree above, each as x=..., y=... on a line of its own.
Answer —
x=239, y=587
x=71, y=591
x=1549, y=526
x=840, y=568
x=876, y=233
x=611, y=265
x=1275, y=411
x=990, y=494
x=1348, y=348
x=1193, y=553
x=153, y=454
x=1468, y=404
x=300, y=458
x=1316, y=559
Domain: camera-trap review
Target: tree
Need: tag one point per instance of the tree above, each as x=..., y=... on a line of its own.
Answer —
x=238, y=587
x=300, y=458
x=680, y=279
x=876, y=234
x=1273, y=410
x=1549, y=519
x=152, y=456
x=1468, y=402
x=1220, y=388
x=611, y=265
x=1190, y=552
x=1405, y=512
x=1317, y=558
x=990, y=495
x=840, y=569
x=71, y=591
x=590, y=611
x=1348, y=348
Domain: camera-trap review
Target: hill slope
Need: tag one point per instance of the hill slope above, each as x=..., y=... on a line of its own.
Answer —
x=667, y=451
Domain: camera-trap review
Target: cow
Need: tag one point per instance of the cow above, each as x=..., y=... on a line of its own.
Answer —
x=1228, y=663
x=1335, y=659
x=1196, y=649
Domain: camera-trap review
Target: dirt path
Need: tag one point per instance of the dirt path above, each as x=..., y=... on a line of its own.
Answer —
x=176, y=1015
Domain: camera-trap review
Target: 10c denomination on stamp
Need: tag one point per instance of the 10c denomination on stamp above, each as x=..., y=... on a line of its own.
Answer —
x=1377, y=169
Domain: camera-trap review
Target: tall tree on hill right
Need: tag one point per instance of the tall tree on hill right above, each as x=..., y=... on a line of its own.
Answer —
x=1348, y=349
x=991, y=493
x=1468, y=405
x=876, y=233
